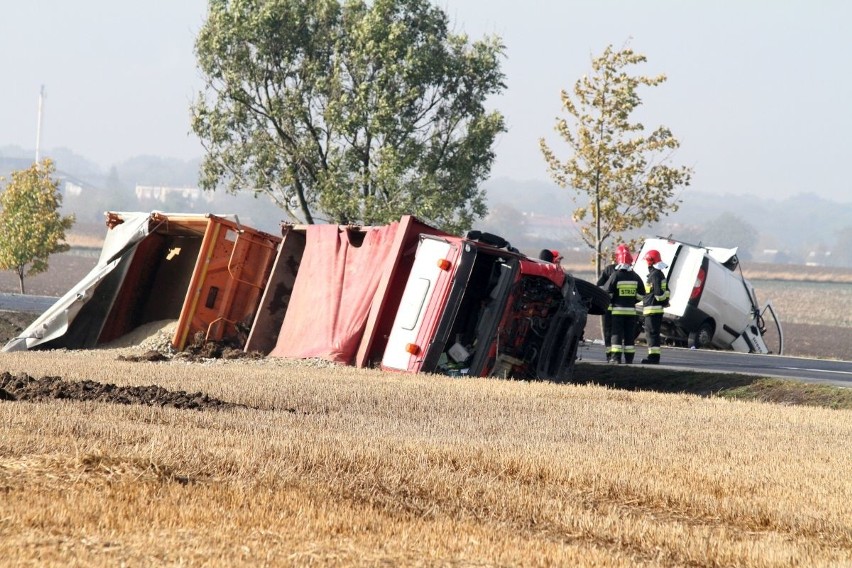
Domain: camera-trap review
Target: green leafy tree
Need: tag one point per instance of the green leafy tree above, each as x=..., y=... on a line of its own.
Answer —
x=357, y=111
x=31, y=227
x=623, y=170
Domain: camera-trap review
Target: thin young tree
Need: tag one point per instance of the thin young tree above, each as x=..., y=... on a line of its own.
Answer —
x=348, y=110
x=622, y=169
x=31, y=226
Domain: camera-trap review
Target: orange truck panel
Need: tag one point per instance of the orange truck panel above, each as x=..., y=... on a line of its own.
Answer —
x=230, y=275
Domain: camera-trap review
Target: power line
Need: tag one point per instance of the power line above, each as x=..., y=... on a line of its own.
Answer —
x=41, y=97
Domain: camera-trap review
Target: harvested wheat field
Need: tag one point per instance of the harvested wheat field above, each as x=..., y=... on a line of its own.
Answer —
x=285, y=463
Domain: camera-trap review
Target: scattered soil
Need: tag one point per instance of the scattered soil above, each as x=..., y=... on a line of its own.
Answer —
x=25, y=388
x=201, y=349
x=154, y=340
x=153, y=343
x=150, y=356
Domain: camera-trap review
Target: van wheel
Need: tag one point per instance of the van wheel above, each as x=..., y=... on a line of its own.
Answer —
x=703, y=337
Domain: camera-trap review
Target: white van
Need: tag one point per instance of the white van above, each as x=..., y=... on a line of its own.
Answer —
x=711, y=303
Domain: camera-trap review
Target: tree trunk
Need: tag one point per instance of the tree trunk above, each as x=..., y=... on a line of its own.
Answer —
x=20, y=272
x=597, y=227
x=303, y=200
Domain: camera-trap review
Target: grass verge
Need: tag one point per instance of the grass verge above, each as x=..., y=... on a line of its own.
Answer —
x=724, y=385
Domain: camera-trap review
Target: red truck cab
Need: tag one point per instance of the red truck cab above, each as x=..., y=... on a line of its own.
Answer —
x=475, y=306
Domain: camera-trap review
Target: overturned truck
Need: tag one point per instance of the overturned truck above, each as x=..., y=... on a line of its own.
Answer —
x=403, y=296
x=205, y=271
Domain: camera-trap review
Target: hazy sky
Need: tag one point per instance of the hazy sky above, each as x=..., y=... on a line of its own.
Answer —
x=758, y=92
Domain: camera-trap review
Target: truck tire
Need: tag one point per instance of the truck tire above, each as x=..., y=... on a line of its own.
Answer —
x=596, y=300
x=702, y=337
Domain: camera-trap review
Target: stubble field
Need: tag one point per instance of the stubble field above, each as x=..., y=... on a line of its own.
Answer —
x=336, y=466
x=312, y=464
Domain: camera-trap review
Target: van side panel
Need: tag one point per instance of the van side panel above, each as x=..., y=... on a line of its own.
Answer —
x=735, y=310
x=715, y=302
x=427, y=283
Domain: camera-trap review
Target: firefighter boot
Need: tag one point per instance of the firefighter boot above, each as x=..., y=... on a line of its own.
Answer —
x=628, y=358
x=652, y=359
x=615, y=358
x=608, y=355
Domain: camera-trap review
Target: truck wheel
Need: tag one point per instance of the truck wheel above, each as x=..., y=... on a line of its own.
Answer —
x=594, y=296
x=702, y=337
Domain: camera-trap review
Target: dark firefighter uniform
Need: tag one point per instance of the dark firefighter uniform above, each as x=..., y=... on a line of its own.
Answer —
x=656, y=298
x=625, y=289
x=607, y=317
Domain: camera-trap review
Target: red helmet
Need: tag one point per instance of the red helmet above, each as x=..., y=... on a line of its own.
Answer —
x=556, y=256
x=653, y=256
x=622, y=254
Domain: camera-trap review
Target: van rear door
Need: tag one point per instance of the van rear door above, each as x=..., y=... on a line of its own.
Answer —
x=680, y=273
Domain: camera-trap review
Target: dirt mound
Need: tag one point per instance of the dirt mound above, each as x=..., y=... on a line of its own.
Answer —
x=201, y=349
x=24, y=387
x=151, y=356
x=151, y=336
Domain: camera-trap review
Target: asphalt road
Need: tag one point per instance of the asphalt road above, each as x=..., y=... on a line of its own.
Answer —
x=836, y=373
x=25, y=303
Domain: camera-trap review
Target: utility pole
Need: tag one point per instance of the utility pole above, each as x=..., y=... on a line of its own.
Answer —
x=38, y=126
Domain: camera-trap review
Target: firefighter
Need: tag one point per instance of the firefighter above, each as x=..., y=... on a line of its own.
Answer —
x=550, y=256
x=655, y=300
x=606, y=319
x=625, y=288
x=557, y=258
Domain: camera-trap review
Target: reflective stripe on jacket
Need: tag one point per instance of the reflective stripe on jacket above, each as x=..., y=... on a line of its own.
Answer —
x=624, y=290
x=656, y=293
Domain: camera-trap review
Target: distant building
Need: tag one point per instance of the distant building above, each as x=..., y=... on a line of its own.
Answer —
x=164, y=193
x=819, y=258
x=72, y=188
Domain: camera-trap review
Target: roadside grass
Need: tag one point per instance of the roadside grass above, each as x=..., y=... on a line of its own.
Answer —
x=792, y=392
x=707, y=384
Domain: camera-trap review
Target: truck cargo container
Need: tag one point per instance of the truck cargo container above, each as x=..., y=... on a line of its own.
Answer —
x=206, y=271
